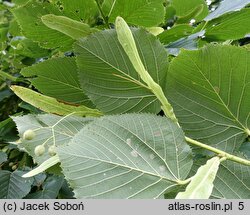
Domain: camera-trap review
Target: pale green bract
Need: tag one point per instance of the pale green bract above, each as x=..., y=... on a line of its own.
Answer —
x=201, y=185
x=51, y=105
x=67, y=26
x=127, y=42
x=44, y=166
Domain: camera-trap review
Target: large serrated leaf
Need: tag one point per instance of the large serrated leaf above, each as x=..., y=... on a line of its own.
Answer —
x=184, y=8
x=126, y=156
x=49, y=129
x=210, y=91
x=58, y=78
x=13, y=186
x=29, y=18
x=227, y=27
x=146, y=13
x=232, y=181
x=109, y=78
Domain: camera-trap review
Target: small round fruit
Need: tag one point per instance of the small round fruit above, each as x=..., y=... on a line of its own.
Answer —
x=11, y=164
x=29, y=135
x=14, y=167
x=39, y=150
x=52, y=150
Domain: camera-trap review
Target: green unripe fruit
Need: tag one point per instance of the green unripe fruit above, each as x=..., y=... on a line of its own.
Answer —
x=29, y=135
x=11, y=164
x=39, y=150
x=52, y=150
x=14, y=167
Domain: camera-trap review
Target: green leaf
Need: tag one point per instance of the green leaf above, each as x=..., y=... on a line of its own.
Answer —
x=245, y=149
x=28, y=16
x=148, y=13
x=13, y=186
x=209, y=90
x=201, y=185
x=227, y=27
x=65, y=25
x=109, y=78
x=175, y=33
x=80, y=10
x=227, y=6
x=232, y=181
x=4, y=93
x=185, y=8
x=50, y=188
x=58, y=78
x=49, y=130
x=51, y=105
x=194, y=13
x=3, y=157
x=5, y=127
x=28, y=48
x=126, y=156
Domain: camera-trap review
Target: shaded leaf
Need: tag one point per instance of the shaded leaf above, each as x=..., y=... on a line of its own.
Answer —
x=29, y=18
x=109, y=78
x=126, y=156
x=28, y=48
x=3, y=157
x=146, y=13
x=175, y=33
x=51, y=105
x=58, y=78
x=201, y=184
x=13, y=186
x=245, y=149
x=185, y=8
x=227, y=27
x=50, y=188
x=209, y=90
x=192, y=15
